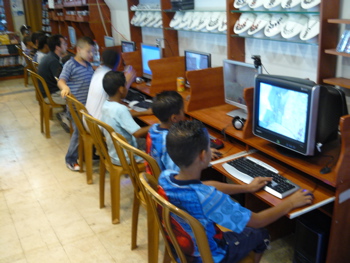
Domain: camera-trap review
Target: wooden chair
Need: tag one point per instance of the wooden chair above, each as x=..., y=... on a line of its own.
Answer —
x=163, y=218
x=85, y=139
x=20, y=52
x=115, y=171
x=45, y=107
x=139, y=198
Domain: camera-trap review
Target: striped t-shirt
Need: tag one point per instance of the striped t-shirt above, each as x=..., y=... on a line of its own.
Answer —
x=78, y=78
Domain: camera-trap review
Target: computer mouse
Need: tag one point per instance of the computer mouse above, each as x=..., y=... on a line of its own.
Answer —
x=325, y=170
x=139, y=80
x=133, y=103
x=216, y=143
x=309, y=193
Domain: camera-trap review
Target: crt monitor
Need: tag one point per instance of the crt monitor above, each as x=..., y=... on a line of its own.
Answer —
x=128, y=46
x=109, y=41
x=197, y=60
x=149, y=52
x=296, y=113
x=238, y=76
x=72, y=36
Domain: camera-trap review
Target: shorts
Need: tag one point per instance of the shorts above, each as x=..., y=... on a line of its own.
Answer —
x=240, y=244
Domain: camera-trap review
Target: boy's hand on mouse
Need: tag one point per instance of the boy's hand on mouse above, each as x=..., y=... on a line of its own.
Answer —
x=258, y=183
x=215, y=154
x=301, y=198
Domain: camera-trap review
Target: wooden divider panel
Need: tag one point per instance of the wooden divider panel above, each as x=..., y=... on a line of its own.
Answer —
x=133, y=59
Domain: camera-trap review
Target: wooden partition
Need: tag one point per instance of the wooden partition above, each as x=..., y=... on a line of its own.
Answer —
x=165, y=71
x=133, y=59
x=207, y=88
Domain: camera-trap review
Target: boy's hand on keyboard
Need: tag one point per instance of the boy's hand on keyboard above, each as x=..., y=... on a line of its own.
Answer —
x=301, y=198
x=215, y=154
x=258, y=183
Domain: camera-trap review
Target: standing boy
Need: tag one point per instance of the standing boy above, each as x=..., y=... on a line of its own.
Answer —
x=75, y=79
x=188, y=146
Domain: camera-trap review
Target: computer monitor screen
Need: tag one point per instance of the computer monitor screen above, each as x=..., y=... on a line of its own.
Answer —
x=128, y=46
x=238, y=76
x=72, y=36
x=296, y=113
x=197, y=60
x=149, y=52
x=109, y=41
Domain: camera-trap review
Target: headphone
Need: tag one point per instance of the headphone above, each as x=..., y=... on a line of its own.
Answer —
x=238, y=122
x=27, y=29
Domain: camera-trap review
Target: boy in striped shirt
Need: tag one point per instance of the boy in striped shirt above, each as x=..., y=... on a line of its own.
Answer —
x=75, y=79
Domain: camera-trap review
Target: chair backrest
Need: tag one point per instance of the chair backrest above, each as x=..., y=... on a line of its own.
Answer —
x=20, y=51
x=29, y=62
x=75, y=108
x=134, y=171
x=36, y=78
x=99, y=139
x=35, y=66
x=163, y=210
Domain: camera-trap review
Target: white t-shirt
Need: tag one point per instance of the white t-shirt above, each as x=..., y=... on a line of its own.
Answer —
x=97, y=95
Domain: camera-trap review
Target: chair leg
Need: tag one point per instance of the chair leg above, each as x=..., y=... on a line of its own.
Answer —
x=115, y=194
x=166, y=258
x=102, y=183
x=88, y=159
x=41, y=118
x=81, y=153
x=47, y=121
x=25, y=76
x=135, y=219
x=153, y=238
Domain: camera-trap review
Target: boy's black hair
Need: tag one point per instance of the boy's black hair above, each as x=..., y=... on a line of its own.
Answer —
x=185, y=141
x=54, y=41
x=35, y=36
x=167, y=103
x=24, y=29
x=26, y=40
x=112, y=81
x=85, y=40
x=42, y=40
x=110, y=58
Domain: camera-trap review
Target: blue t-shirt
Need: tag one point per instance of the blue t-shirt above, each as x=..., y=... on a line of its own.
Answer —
x=156, y=147
x=209, y=206
x=119, y=118
x=78, y=78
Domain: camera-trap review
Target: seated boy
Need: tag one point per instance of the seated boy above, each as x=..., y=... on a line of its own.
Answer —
x=29, y=46
x=188, y=146
x=168, y=107
x=117, y=115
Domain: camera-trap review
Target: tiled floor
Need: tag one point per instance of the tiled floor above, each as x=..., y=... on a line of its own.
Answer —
x=50, y=214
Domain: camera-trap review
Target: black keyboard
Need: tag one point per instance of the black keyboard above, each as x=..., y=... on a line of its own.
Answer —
x=134, y=95
x=144, y=104
x=247, y=168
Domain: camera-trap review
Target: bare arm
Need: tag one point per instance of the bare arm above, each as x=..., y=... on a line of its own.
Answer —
x=141, y=113
x=271, y=214
x=230, y=189
x=142, y=132
x=62, y=85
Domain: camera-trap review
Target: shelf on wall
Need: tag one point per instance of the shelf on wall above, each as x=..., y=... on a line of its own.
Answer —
x=339, y=21
x=193, y=31
x=277, y=12
x=278, y=40
x=334, y=52
x=342, y=82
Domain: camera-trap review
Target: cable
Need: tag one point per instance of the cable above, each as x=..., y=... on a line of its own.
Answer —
x=158, y=41
x=101, y=17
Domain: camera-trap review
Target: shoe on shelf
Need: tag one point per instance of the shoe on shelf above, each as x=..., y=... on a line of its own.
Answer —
x=176, y=19
x=214, y=21
x=150, y=17
x=186, y=21
x=222, y=23
x=64, y=121
x=73, y=166
x=204, y=21
x=157, y=18
x=195, y=20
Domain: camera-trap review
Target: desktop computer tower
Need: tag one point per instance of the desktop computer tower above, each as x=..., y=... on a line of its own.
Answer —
x=311, y=238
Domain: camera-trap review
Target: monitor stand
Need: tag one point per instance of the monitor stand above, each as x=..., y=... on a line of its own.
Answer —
x=239, y=112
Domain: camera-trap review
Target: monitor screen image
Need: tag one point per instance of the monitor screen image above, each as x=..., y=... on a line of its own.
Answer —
x=72, y=36
x=109, y=41
x=128, y=46
x=238, y=76
x=195, y=60
x=296, y=113
x=149, y=52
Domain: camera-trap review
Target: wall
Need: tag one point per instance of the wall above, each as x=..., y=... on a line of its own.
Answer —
x=18, y=17
x=300, y=59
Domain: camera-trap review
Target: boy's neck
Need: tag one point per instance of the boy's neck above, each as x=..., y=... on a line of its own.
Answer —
x=165, y=125
x=189, y=173
x=115, y=98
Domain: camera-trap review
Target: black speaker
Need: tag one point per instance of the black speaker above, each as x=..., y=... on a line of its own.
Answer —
x=238, y=123
x=311, y=238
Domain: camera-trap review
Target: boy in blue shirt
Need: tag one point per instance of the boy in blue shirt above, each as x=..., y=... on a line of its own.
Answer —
x=188, y=146
x=75, y=79
x=118, y=116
